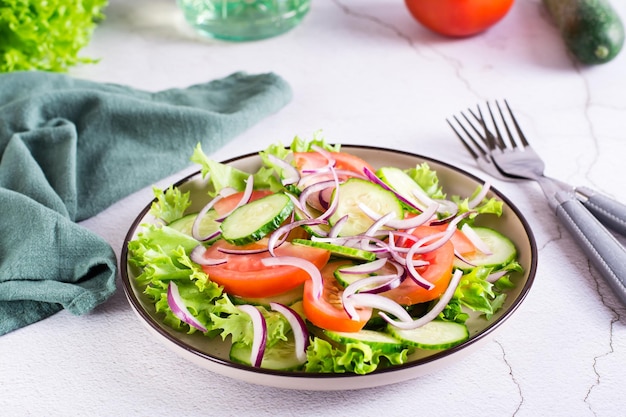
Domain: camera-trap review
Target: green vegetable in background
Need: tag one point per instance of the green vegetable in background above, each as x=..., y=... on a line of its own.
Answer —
x=46, y=35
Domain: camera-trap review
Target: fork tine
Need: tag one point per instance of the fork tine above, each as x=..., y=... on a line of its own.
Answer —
x=498, y=136
x=512, y=140
x=490, y=140
x=466, y=142
x=517, y=127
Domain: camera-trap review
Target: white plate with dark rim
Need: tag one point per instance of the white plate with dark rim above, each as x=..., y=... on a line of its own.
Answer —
x=212, y=354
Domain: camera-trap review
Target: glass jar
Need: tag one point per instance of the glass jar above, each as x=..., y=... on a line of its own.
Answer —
x=243, y=20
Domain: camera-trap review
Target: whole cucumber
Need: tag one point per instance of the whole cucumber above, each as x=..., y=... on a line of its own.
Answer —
x=593, y=32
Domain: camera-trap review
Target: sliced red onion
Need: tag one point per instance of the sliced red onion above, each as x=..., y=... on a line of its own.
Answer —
x=298, y=327
x=179, y=309
x=197, y=255
x=447, y=206
x=280, y=235
x=235, y=251
x=417, y=277
x=374, y=178
x=259, y=329
x=308, y=267
x=493, y=277
x=245, y=198
x=403, y=224
x=292, y=177
x=463, y=258
x=475, y=239
x=366, y=268
x=328, y=155
x=324, y=197
x=311, y=193
x=195, y=228
x=379, y=302
x=434, y=312
x=335, y=201
x=296, y=203
x=480, y=196
x=226, y=191
x=336, y=228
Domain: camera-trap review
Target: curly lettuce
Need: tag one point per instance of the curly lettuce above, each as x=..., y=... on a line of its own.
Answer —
x=46, y=35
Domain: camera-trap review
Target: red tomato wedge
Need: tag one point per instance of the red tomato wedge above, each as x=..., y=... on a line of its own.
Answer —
x=226, y=204
x=438, y=272
x=343, y=160
x=246, y=276
x=327, y=311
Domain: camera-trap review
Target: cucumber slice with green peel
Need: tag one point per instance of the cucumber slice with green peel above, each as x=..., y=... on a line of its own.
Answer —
x=287, y=298
x=503, y=251
x=280, y=356
x=383, y=342
x=355, y=191
x=208, y=224
x=401, y=183
x=434, y=335
x=338, y=250
x=253, y=221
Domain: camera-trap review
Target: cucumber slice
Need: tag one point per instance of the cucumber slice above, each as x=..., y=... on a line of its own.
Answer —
x=355, y=191
x=434, y=335
x=503, y=251
x=401, y=183
x=287, y=298
x=253, y=221
x=208, y=224
x=280, y=356
x=338, y=250
x=383, y=342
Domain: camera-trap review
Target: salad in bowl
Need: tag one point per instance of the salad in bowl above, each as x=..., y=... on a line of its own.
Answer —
x=319, y=260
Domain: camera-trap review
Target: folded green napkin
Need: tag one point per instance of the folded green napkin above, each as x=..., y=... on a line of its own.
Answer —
x=69, y=148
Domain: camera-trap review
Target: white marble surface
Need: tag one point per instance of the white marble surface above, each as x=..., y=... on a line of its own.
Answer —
x=365, y=73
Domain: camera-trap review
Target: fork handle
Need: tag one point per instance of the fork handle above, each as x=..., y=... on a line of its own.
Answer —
x=610, y=212
x=605, y=252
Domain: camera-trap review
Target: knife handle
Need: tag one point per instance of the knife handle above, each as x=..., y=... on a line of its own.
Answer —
x=606, y=254
x=609, y=211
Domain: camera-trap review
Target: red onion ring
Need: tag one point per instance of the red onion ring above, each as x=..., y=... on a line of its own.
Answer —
x=480, y=196
x=259, y=329
x=434, y=312
x=476, y=240
x=298, y=327
x=308, y=267
x=179, y=309
x=197, y=255
x=279, y=236
x=293, y=176
x=195, y=228
x=379, y=302
x=245, y=198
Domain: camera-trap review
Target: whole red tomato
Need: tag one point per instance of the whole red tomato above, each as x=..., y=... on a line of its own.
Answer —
x=458, y=17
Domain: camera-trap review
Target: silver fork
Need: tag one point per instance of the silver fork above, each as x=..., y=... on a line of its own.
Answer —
x=580, y=209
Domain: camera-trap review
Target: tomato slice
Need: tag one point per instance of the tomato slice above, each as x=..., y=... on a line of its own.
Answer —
x=228, y=203
x=438, y=272
x=343, y=160
x=327, y=311
x=246, y=276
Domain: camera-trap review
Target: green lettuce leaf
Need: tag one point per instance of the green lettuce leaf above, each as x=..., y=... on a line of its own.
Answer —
x=222, y=175
x=46, y=35
x=170, y=205
x=353, y=357
x=427, y=179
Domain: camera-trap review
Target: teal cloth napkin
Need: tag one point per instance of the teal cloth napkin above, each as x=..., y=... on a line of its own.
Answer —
x=69, y=148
